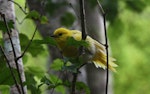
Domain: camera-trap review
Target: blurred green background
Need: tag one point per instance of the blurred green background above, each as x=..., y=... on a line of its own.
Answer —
x=129, y=39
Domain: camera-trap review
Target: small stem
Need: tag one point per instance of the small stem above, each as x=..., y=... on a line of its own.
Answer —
x=24, y=11
x=106, y=44
x=76, y=13
x=107, y=58
x=28, y=44
x=75, y=75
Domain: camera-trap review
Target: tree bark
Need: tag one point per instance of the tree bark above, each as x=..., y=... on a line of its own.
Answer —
x=96, y=78
x=7, y=8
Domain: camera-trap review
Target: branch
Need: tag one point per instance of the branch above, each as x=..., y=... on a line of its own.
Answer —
x=74, y=11
x=24, y=11
x=75, y=75
x=106, y=43
x=11, y=71
x=83, y=21
x=28, y=44
x=13, y=49
x=83, y=27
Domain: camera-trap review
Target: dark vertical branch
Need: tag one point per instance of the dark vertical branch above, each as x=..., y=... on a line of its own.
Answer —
x=83, y=21
x=106, y=43
x=75, y=75
x=83, y=27
x=13, y=49
x=106, y=46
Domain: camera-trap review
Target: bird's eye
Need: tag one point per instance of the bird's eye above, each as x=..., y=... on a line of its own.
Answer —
x=59, y=34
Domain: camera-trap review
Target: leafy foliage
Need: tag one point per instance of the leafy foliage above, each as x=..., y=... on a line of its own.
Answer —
x=33, y=47
x=46, y=40
x=126, y=32
x=53, y=82
x=6, y=77
x=4, y=89
x=57, y=64
x=83, y=87
x=72, y=42
x=31, y=83
x=3, y=25
x=36, y=16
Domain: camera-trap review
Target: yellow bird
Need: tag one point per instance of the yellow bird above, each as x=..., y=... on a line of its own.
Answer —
x=95, y=51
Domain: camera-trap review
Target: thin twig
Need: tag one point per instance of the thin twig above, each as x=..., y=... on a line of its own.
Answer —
x=25, y=7
x=36, y=28
x=24, y=11
x=11, y=71
x=100, y=7
x=28, y=44
x=106, y=44
x=107, y=57
x=74, y=11
x=13, y=49
x=56, y=83
x=75, y=75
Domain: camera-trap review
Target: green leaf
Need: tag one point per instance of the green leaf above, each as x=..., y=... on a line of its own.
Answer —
x=36, y=16
x=3, y=25
x=44, y=20
x=67, y=19
x=60, y=89
x=52, y=82
x=46, y=81
x=31, y=83
x=82, y=87
x=54, y=79
x=2, y=59
x=71, y=68
x=36, y=70
x=57, y=64
x=6, y=76
x=72, y=42
x=36, y=49
x=72, y=64
x=46, y=40
x=24, y=40
x=4, y=89
x=33, y=15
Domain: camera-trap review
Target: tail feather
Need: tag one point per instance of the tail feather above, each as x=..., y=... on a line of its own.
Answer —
x=100, y=61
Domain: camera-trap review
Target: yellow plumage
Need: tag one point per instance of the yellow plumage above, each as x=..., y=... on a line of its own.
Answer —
x=94, y=52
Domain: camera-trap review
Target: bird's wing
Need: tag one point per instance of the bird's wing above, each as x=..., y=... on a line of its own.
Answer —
x=76, y=35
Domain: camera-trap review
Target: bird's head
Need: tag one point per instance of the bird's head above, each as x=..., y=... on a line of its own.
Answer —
x=61, y=34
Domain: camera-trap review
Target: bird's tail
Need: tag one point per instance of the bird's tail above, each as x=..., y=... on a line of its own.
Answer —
x=100, y=61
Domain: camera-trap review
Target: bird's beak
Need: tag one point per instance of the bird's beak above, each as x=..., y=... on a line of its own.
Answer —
x=54, y=36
